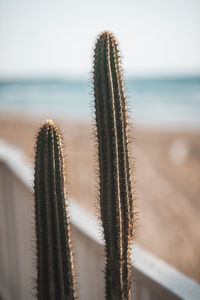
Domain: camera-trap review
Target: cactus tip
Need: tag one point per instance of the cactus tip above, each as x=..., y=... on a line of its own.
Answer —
x=48, y=123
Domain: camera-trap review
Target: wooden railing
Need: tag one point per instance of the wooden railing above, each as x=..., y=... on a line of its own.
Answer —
x=153, y=279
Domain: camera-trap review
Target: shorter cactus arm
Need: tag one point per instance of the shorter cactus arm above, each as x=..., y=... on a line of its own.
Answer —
x=55, y=277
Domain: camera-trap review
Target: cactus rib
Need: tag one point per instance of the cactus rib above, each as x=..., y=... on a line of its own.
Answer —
x=55, y=276
x=116, y=201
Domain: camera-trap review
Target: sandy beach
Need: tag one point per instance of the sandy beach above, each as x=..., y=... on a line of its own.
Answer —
x=167, y=182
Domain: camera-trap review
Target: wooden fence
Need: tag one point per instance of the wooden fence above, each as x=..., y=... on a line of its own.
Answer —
x=153, y=279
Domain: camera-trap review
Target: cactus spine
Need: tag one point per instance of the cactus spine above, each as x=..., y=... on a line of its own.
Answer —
x=55, y=278
x=116, y=200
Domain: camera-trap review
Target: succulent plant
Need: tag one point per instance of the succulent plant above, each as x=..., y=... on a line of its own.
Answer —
x=115, y=191
x=55, y=276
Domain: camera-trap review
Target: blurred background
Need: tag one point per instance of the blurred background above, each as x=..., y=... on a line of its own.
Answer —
x=46, y=50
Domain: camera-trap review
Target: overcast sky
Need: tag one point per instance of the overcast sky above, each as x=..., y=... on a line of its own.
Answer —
x=56, y=37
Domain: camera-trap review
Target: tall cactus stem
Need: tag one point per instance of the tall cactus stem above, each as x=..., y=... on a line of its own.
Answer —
x=116, y=200
x=55, y=276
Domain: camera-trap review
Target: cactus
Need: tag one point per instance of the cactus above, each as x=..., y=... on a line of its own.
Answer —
x=115, y=192
x=55, y=277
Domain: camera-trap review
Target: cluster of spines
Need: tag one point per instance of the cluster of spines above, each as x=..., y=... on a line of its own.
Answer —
x=55, y=275
x=116, y=200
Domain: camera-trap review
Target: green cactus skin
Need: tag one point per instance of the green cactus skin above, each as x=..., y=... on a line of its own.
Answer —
x=115, y=192
x=55, y=276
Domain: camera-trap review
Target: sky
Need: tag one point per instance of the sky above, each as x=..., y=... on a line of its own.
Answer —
x=56, y=37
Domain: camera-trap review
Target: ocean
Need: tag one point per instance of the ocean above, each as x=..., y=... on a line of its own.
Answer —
x=172, y=102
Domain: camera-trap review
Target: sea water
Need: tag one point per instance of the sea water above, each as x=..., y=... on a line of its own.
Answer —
x=161, y=102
